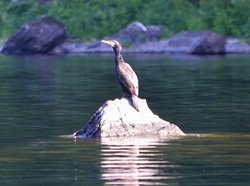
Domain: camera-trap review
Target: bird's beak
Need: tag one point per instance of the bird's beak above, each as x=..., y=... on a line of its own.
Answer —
x=112, y=44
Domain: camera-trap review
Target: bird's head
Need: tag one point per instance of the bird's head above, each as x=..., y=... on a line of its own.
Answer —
x=114, y=44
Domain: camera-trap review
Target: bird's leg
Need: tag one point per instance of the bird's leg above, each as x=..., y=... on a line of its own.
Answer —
x=135, y=103
x=132, y=101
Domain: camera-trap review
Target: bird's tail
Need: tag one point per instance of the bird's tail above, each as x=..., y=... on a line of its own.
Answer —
x=135, y=102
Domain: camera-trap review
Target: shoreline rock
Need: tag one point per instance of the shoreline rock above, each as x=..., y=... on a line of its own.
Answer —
x=202, y=42
x=137, y=33
x=194, y=43
x=39, y=36
x=117, y=118
x=235, y=46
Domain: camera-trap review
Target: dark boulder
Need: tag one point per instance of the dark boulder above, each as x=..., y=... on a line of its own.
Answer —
x=203, y=42
x=37, y=36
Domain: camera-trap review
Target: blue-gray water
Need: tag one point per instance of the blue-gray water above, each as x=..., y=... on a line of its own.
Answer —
x=45, y=97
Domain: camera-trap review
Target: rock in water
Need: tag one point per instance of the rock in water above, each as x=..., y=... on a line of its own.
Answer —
x=38, y=36
x=203, y=42
x=118, y=118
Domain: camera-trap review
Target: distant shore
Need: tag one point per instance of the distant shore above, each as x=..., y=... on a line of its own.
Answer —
x=47, y=35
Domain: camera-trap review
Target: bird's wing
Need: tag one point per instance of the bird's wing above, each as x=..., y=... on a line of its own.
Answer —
x=129, y=79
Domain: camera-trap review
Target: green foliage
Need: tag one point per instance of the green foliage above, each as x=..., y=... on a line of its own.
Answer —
x=14, y=14
x=88, y=19
x=94, y=18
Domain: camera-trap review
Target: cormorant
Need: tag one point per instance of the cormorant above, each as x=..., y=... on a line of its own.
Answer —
x=124, y=73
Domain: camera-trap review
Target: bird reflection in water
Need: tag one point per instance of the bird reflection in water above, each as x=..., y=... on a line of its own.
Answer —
x=134, y=161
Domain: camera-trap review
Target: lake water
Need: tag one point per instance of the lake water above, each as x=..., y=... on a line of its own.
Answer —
x=46, y=97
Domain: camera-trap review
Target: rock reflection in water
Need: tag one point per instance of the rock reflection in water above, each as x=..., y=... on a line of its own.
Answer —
x=134, y=161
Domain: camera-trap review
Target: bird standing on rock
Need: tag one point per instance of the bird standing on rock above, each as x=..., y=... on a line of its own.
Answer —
x=125, y=74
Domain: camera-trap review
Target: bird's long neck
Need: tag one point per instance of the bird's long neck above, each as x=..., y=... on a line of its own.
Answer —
x=118, y=57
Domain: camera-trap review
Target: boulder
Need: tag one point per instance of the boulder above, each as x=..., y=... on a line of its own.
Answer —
x=235, y=46
x=37, y=36
x=203, y=42
x=118, y=118
x=136, y=33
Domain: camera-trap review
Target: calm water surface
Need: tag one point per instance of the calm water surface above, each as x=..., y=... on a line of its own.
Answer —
x=45, y=97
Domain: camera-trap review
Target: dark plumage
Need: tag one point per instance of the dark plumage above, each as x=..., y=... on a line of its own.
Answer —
x=124, y=73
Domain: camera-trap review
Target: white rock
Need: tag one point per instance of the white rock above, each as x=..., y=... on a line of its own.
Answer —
x=118, y=118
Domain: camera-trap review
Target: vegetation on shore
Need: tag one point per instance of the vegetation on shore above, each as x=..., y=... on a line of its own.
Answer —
x=87, y=19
